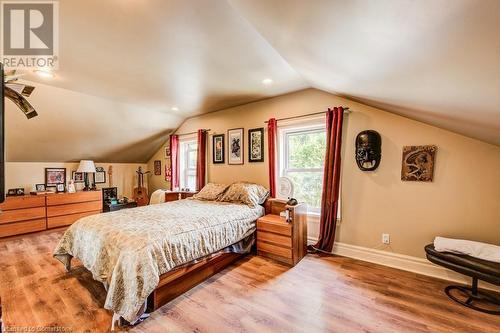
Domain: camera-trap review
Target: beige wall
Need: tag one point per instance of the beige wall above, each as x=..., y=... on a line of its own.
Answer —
x=27, y=174
x=461, y=202
x=158, y=182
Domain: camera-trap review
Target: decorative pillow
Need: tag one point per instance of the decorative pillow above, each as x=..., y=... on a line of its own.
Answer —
x=211, y=192
x=246, y=193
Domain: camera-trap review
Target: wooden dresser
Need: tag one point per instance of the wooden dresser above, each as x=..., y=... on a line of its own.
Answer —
x=178, y=195
x=26, y=214
x=65, y=208
x=280, y=240
x=22, y=215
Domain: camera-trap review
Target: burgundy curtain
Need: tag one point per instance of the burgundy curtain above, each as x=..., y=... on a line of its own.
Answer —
x=272, y=129
x=201, y=160
x=174, y=157
x=331, y=180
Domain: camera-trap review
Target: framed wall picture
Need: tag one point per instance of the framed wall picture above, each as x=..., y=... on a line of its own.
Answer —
x=55, y=176
x=100, y=175
x=418, y=163
x=157, y=167
x=78, y=177
x=235, y=146
x=218, y=149
x=256, y=145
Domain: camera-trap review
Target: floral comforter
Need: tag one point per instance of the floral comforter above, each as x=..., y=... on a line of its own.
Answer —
x=129, y=249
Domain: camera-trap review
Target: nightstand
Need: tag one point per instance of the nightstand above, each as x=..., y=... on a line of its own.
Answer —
x=178, y=195
x=280, y=240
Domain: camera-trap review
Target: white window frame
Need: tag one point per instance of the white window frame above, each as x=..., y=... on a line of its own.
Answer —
x=184, y=170
x=311, y=125
x=285, y=128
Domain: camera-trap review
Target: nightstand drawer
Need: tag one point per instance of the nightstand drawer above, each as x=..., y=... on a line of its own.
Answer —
x=278, y=228
x=269, y=237
x=274, y=249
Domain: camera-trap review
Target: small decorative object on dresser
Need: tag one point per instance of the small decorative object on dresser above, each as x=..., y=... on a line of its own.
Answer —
x=100, y=175
x=14, y=192
x=60, y=188
x=157, y=167
x=283, y=238
x=418, y=163
x=256, y=145
x=235, y=151
x=71, y=186
x=40, y=187
x=55, y=176
x=218, y=149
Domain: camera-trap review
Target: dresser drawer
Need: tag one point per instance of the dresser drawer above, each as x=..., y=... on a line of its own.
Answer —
x=274, y=249
x=75, y=208
x=17, y=215
x=61, y=221
x=68, y=198
x=22, y=202
x=22, y=227
x=268, y=237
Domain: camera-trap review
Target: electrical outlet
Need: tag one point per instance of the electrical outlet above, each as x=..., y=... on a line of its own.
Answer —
x=386, y=239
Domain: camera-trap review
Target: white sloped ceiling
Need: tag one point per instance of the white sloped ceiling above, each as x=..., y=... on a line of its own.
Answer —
x=125, y=64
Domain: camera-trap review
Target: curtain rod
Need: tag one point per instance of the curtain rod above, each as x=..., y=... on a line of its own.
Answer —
x=191, y=133
x=346, y=110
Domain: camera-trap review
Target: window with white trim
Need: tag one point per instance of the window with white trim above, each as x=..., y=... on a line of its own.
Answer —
x=302, y=149
x=188, y=155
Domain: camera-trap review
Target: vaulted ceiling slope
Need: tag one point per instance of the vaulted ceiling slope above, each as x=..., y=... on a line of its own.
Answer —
x=125, y=64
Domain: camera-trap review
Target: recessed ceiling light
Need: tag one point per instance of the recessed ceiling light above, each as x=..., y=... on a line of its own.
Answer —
x=174, y=108
x=44, y=73
x=267, y=81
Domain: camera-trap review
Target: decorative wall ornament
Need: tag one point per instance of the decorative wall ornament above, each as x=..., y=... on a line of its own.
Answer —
x=235, y=144
x=157, y=167
x=167, y=152
x=218, y=149
x=418, y=163
x=368, y=150
x=256, y=145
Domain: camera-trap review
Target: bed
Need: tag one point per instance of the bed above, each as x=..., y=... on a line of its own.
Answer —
x=150, y=255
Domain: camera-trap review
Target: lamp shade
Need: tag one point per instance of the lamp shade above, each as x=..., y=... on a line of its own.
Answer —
x=86, y=166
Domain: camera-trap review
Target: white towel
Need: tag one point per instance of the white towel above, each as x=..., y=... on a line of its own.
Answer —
x=157, y=197
x=479, y=250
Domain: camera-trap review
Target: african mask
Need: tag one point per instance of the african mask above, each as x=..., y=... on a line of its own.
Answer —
x=368, y=150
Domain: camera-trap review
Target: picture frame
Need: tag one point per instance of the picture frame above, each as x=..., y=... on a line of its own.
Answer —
x=235, y=146
x=157, y=168
x=418, y=163
x=15, y=192
x=100, y=175
x=55, y=176
x=218, y=147
x=256, y=145
x=60, y=188
x=78, y=177
x=40, y=187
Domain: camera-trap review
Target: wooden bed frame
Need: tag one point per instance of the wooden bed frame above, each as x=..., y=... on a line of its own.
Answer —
x=178, y=281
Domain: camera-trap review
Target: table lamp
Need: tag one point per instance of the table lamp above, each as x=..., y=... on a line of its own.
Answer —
x=86, y=167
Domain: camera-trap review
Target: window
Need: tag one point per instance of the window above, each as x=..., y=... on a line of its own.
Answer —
x=188, y=155
x=301, y=158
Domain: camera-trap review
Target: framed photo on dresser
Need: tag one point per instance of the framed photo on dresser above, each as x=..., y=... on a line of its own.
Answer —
x=235, y=146
x=218, y=149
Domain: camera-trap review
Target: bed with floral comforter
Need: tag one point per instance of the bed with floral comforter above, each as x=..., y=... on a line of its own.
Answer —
x=128, y=250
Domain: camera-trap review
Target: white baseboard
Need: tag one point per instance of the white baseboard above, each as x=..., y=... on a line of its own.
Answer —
x=403, y=262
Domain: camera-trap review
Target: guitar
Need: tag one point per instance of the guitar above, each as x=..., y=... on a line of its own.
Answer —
x=110, y=175
x=140, y=192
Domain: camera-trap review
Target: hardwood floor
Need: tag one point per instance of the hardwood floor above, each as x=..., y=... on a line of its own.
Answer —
x=328, y=294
